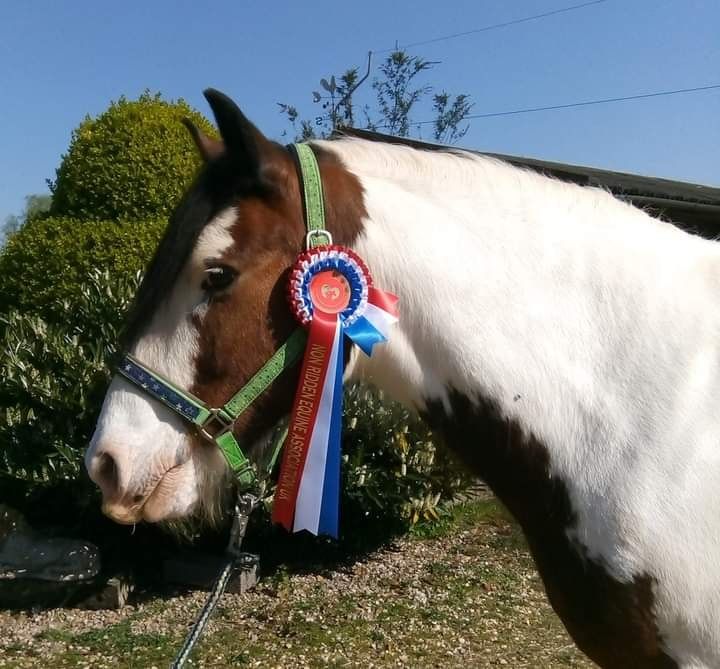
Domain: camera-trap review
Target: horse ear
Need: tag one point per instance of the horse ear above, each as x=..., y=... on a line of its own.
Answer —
x=243, y=141
x=208, y=147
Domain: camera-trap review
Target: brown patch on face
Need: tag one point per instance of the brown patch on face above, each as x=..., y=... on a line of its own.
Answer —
x=246, y=324
x=611, y=622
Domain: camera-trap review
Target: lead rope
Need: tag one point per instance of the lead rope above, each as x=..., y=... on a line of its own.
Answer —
x=313, y=205
x=237, y=560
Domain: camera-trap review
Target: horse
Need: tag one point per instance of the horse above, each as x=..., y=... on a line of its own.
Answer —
x=562, y=342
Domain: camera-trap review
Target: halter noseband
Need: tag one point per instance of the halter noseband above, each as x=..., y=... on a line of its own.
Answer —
x=216, y=424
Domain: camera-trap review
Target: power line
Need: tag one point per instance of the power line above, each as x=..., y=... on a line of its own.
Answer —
x=585, y=103
x=495, y=26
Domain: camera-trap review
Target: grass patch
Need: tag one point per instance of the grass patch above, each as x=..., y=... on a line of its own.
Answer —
x=135, y=649
x=120, y=638
x=469, y=596
x=459, y=517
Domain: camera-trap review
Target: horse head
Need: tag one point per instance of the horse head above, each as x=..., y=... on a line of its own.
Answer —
x=210, y=311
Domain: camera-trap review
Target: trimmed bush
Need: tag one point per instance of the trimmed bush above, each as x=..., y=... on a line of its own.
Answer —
x=132, y=162
x=45, y=263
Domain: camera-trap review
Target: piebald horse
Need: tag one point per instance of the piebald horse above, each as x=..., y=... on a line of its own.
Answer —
x=565, y=344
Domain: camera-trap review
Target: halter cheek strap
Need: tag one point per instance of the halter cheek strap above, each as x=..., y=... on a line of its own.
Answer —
x=216, y=424
x=313, y=201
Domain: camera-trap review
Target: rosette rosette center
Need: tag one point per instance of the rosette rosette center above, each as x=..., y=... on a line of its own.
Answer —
x=332, y=279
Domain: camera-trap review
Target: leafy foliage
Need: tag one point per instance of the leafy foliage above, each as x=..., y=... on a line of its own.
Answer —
x=338, y=105
x=450, y=114
x=54, y=377
x=398, y=95
x=44, y=264
x=36, y=206
x=391, y=466
x=10, y=226
x=132, y=162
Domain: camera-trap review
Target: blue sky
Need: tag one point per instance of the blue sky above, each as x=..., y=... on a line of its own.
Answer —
x=62, y=60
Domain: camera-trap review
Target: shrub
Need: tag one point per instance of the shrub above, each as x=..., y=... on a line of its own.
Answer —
x=391, y=463
x=132, y=162
x=45, y=263
x=54, y=378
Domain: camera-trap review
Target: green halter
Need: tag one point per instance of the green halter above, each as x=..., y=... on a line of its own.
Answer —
x=216, y=424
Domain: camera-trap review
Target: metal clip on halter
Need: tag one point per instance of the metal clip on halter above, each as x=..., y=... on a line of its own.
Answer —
x=312, y=234
x=219, y=418
x=241, y=514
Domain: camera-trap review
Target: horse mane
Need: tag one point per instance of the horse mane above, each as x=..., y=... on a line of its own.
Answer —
x=454, y=172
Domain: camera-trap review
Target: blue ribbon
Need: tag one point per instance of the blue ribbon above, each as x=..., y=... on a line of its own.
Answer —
x=364, y=334
x=330, y=505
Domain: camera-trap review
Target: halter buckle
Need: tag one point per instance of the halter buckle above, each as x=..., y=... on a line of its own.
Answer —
x=317, y=233
x=219, y=422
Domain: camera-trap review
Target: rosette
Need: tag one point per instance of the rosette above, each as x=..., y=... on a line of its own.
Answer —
x=331, y=292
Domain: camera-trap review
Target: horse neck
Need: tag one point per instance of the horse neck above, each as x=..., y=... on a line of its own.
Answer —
x=541, y=298
x=565, y=345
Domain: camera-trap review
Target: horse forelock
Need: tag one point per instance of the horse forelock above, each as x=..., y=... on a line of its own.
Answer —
x=216, y=187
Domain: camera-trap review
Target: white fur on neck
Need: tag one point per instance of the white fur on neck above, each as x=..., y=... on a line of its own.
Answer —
x=592, y=325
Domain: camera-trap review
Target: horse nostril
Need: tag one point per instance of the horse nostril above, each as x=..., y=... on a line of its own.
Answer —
x=106, y=474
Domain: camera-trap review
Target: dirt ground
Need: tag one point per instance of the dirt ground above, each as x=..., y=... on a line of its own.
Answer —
x=462, y=593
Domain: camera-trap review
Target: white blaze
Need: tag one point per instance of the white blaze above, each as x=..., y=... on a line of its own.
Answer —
x=145, y=438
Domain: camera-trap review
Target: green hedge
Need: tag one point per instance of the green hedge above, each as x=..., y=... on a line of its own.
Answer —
x=392, y=467
x=132, y=162
x=54, y=376
x=44, y=264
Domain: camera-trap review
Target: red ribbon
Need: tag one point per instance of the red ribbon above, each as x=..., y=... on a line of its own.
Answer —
x=383, y=300
x=304, y=412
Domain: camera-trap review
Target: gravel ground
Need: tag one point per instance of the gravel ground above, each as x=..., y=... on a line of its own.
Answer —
x=463, y=595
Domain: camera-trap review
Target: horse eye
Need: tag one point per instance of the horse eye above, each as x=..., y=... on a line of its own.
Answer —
x=218, y=278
